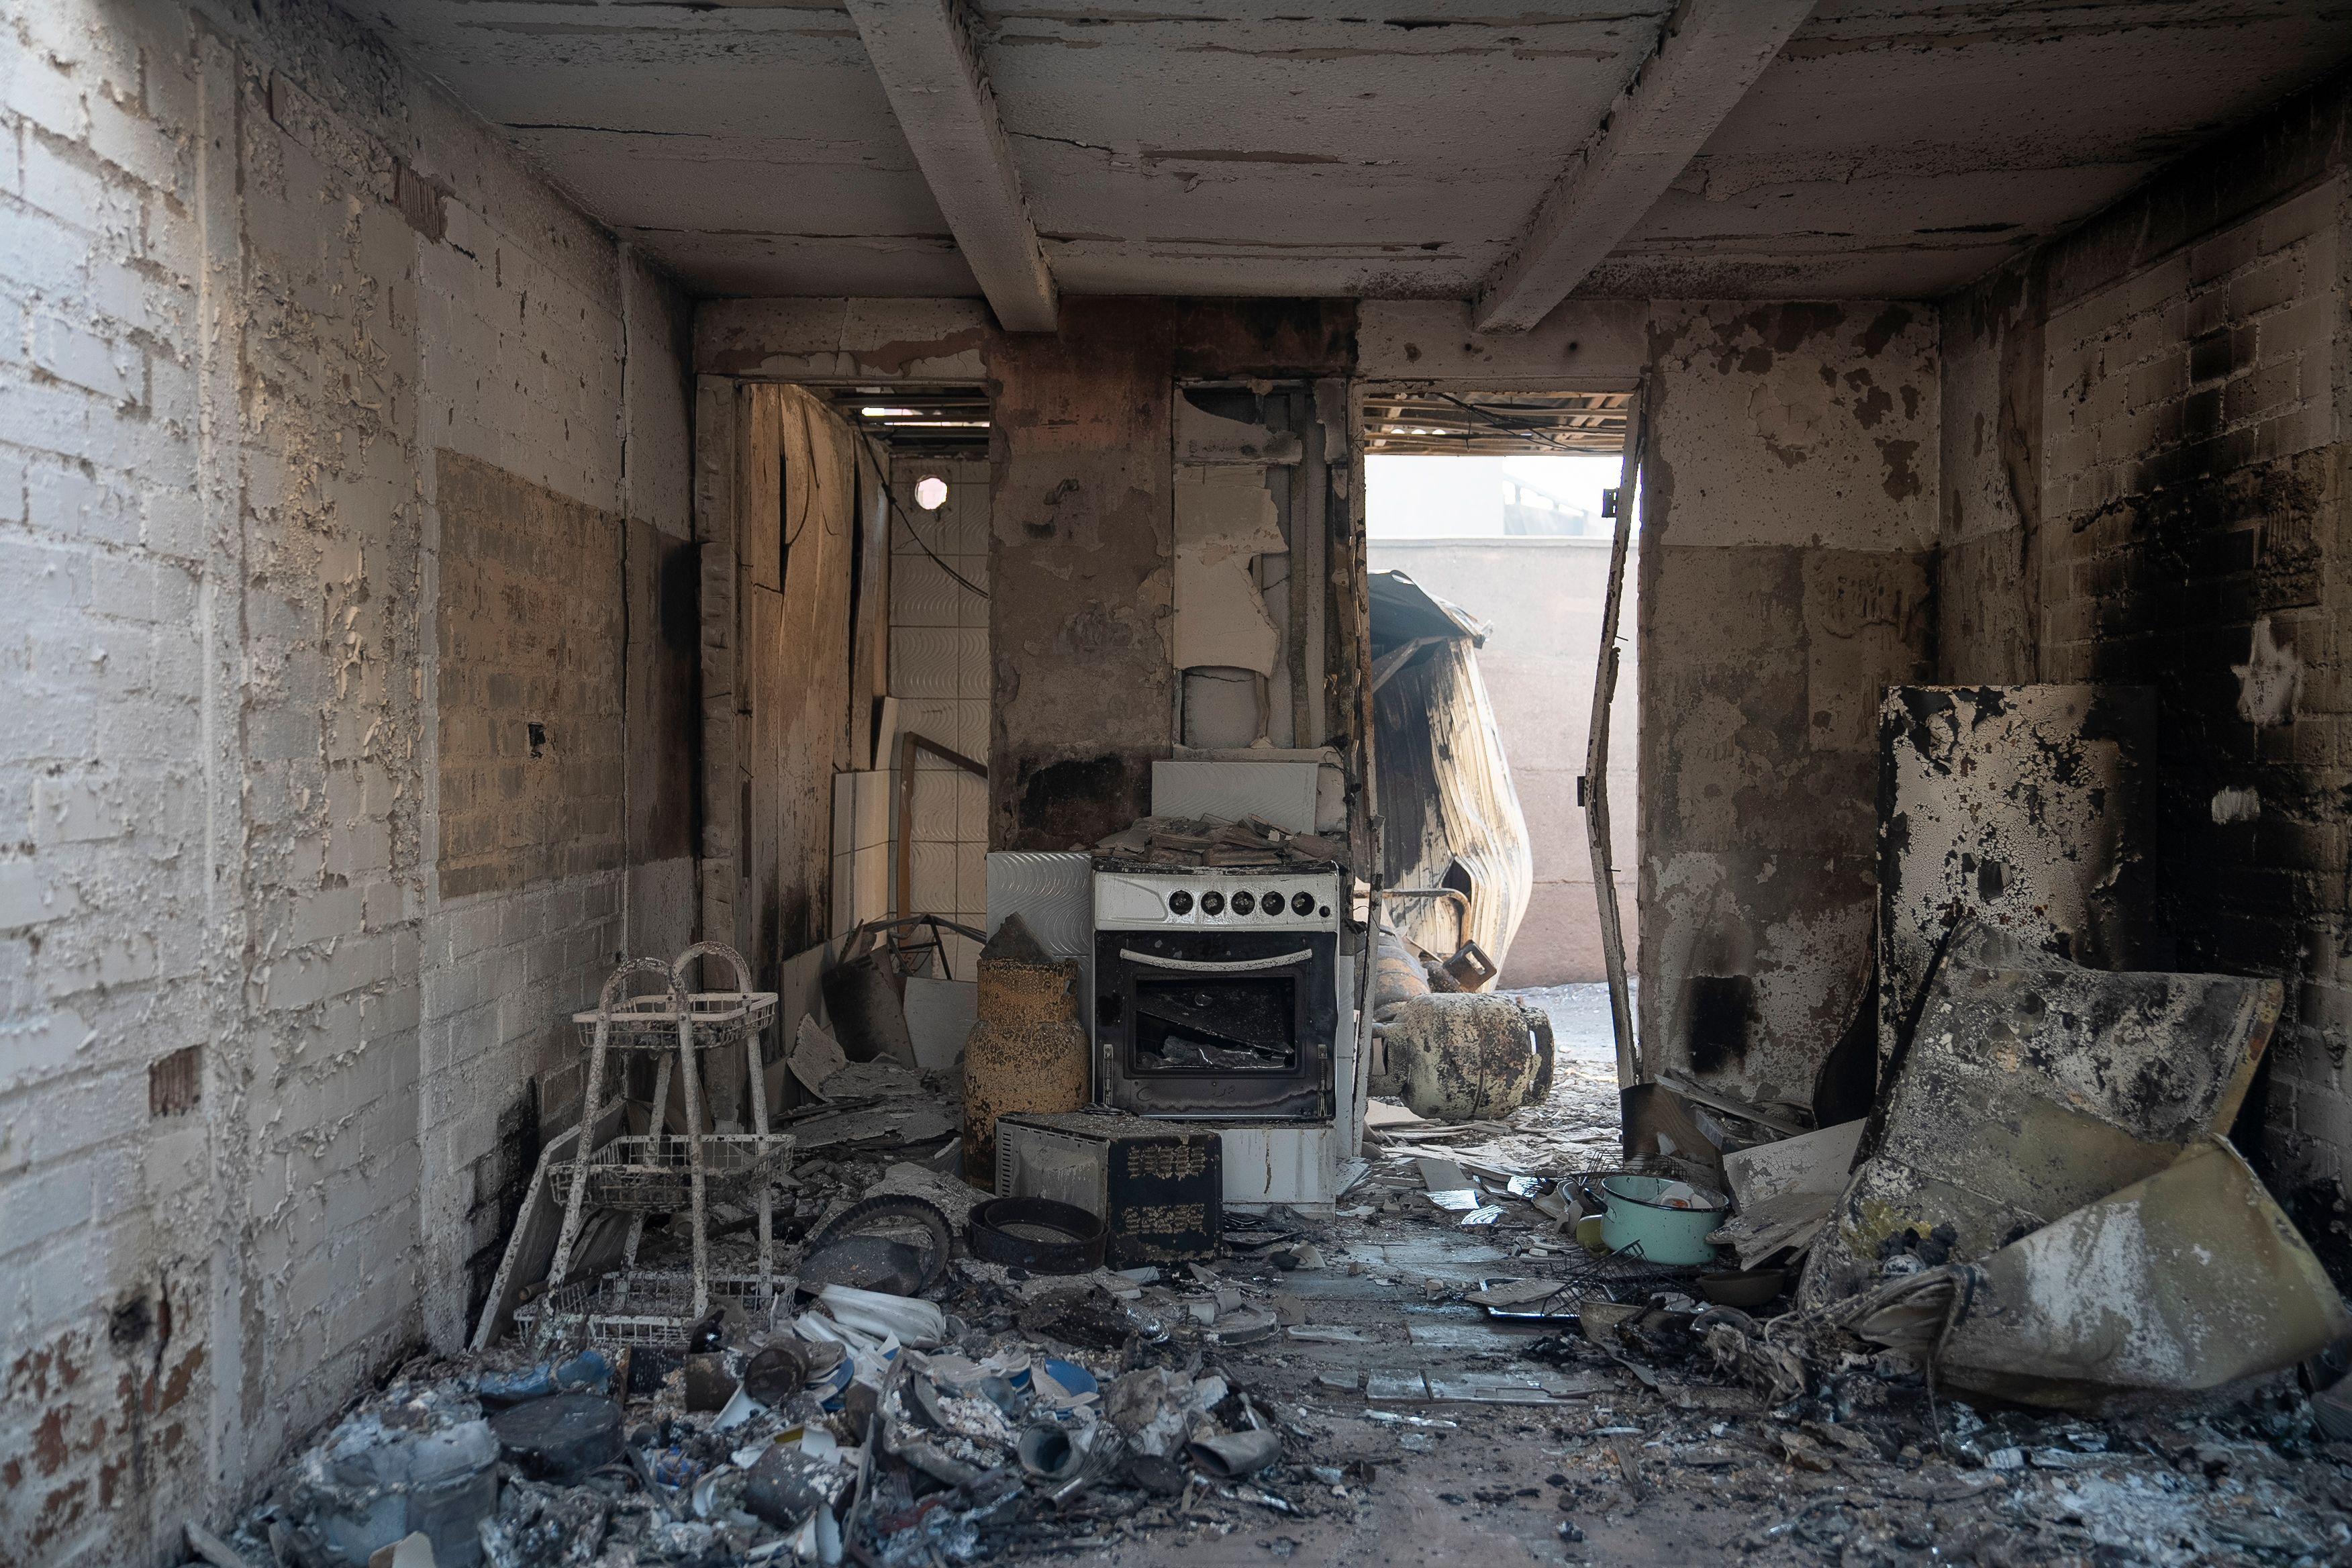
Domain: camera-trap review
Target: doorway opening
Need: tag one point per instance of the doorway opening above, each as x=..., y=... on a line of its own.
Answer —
x=911, y=813
x=1490, y=524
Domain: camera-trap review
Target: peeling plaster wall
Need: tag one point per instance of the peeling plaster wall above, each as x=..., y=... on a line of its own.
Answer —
x=2146, y=438
x=1788, y=513
x=1082, y=558
x=258, y=1077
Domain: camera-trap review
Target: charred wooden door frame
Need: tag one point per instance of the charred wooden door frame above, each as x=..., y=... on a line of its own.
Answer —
x=1592, y=790
x=1396, y=394
x=764, y=872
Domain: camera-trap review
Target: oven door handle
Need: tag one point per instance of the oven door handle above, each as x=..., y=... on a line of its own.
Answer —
x=1210, y=966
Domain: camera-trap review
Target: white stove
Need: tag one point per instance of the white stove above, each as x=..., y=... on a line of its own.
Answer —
x=1221, y=999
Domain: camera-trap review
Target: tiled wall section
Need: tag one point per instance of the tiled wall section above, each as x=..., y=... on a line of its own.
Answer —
x=939, y=675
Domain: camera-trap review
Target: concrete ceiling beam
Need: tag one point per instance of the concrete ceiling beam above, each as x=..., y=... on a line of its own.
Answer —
x=930, y=67
x=1709, y=55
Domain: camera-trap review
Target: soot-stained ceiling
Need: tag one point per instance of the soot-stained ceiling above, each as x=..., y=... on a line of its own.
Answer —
x=1402, y=150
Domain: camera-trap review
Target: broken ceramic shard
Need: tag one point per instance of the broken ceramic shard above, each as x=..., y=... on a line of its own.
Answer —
x=817, y=1057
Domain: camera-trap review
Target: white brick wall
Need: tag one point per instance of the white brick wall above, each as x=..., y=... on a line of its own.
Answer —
x=224, y=362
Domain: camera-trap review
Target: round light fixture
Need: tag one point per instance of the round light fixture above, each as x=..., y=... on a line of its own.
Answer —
x=930, y=492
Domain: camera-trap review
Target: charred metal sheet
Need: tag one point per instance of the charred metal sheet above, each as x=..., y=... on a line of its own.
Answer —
x=2185, y=1281
x=2036, y=1086
x=2030, y=809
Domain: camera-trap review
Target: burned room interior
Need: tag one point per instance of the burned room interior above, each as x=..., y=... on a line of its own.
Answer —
x=752, y=825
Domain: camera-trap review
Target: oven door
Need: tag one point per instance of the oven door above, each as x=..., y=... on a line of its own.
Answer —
x=1196, y=1022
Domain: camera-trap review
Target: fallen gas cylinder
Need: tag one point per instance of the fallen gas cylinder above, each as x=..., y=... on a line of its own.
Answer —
x=1462, y=1057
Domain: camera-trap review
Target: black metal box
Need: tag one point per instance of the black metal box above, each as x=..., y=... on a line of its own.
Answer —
x=1160, y=1186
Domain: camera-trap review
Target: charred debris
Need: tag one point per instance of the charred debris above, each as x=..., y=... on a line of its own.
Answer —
x=923, y=1293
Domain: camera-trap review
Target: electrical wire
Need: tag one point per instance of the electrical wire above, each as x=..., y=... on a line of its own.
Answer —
x=1527, y=428
x=884, y=479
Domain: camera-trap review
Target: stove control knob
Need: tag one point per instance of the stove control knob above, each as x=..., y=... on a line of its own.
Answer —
x=1245, y=903
x=1212, y=904
x=1181, y=903
x=1302, y=903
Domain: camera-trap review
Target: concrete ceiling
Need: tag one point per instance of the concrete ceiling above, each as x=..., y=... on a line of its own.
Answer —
x=1892, y=149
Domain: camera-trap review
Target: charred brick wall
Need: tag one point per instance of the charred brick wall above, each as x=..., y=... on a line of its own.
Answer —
x=529, y=637
x=2145, y=484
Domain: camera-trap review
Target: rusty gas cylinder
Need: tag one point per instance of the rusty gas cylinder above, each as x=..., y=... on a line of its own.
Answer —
x=1028, y=1054
x=1462, y=1056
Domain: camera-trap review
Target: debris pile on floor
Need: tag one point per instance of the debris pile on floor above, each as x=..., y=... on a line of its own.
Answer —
x=1367, y=1372
x=1508, y=1317
x=876, y=1426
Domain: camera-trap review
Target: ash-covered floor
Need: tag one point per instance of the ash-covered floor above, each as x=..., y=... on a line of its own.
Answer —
x=1414, y=1426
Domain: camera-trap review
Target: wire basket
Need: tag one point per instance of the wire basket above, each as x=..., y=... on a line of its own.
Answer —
x=649, y=1023
x=631, y=1308
x=654, y=1173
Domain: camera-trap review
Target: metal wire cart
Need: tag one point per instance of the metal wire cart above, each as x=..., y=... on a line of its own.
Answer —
x=660, y=1172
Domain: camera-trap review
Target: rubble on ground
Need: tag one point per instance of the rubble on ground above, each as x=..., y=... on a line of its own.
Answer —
x=1443, y=1340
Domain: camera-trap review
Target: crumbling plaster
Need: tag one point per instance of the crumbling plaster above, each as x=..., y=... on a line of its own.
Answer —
x=1788, y=511
x=1790, y=517
x=259, y=273
x=1082, y=567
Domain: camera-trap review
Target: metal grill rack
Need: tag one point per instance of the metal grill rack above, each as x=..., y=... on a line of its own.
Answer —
x=631, y=1308
x=661, y=1172
x=643, y=1174
x=649, y=1023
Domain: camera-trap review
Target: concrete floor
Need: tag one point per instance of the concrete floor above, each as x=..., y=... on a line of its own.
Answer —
x=1693, y=1469
x=1613, y=1450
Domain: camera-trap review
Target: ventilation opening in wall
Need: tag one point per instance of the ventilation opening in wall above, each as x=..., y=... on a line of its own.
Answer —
x=1490, y=524
x=175, y=1084
x=536, y=732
